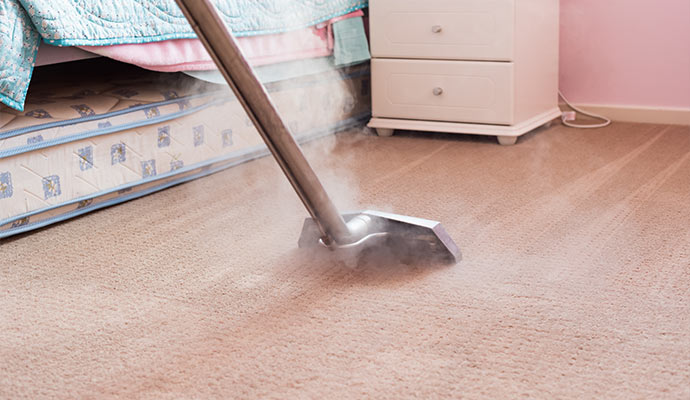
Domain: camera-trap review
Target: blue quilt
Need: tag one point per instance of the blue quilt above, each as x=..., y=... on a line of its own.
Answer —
x=23, y=23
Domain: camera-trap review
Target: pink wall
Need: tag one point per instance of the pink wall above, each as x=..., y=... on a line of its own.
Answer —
x=626, y=52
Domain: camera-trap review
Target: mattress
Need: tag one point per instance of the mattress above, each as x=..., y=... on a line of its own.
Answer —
x=84, y=142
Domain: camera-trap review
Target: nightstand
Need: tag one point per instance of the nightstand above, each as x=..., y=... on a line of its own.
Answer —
x=485, y=67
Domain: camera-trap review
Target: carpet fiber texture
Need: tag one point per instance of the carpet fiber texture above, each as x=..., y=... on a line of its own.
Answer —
x=575, y=281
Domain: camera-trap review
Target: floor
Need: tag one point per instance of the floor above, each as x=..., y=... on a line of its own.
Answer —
x=575, y=281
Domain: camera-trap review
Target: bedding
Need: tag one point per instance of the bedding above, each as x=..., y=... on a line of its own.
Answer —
x=90, y=22
x=189, y=54
x=84, y=143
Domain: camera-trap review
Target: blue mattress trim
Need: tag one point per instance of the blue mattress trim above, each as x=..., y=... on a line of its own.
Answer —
x=135, y=124
x=244, y=156
x=111, y=129
x=74, y=121
x=111, y=202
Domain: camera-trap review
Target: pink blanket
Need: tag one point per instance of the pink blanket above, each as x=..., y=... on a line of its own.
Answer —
x=190, y=55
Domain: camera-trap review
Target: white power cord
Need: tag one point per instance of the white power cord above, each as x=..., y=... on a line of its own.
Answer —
x=565, y=119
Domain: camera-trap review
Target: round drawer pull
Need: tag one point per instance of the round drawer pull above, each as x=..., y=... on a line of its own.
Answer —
x=438, y=91
x=436, y=28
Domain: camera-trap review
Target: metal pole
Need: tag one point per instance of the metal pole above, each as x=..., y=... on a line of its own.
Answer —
x=227, y=55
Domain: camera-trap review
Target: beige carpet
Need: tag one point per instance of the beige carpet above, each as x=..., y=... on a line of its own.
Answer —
x=575, y=281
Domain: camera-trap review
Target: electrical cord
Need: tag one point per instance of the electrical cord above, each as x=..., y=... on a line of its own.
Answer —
x=606, y=122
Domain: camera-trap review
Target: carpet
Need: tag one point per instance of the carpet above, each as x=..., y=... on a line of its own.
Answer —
x=575, y=281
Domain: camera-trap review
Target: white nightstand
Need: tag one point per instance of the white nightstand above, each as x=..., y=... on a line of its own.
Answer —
x=485, y=67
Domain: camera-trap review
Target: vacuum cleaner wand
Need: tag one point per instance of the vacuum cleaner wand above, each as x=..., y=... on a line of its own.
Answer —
x=326, y=226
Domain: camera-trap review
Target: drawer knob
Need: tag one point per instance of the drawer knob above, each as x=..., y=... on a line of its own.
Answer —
x=436, y=28
x=438, y=91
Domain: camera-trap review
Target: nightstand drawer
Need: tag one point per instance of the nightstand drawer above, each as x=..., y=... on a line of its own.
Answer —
x=477, y=92
x=443, y=29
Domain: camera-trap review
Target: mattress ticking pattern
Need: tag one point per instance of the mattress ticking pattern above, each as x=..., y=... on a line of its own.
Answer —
x=82, y=144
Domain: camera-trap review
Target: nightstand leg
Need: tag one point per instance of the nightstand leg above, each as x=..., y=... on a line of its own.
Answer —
x=507, y=140
x=384, y=132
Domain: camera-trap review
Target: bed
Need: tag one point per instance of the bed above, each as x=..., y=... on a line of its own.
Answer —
x=94, y=133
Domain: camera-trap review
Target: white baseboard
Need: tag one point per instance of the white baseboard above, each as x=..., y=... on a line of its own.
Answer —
x=651, y=115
